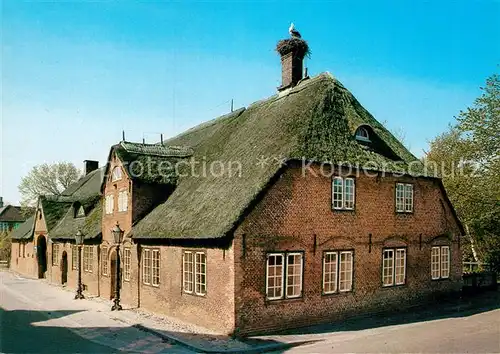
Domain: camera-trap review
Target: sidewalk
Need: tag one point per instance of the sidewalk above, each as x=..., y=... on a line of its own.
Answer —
x=131, y=329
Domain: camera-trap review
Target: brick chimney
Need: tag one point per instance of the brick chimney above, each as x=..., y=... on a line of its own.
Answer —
x=90, y=166
x=292, y=52
x=1, y=202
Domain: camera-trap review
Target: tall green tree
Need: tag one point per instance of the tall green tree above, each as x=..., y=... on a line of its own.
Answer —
x=47, y=179
x=467, y=157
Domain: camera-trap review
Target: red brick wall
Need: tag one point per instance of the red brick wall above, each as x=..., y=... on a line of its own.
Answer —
x=297, y=208
x=26, y=263
x=214, y=311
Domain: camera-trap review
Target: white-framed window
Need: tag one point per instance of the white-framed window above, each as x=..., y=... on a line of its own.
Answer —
x=440, y=262
x=146, y=266
x=200, y=273
x=343, y=193
x=109, y=203
x=362, y=134
x=88, y=258
x=404, y=197
x=188, y=272
x=104, y=260
x=284, y=275
x=155, y=267
x=337, y=271
x=55, y=254
x=127, y=257
x=194, y=272
x=74, y=256
x=123, y=200
x=117, y=174
x=394, y=266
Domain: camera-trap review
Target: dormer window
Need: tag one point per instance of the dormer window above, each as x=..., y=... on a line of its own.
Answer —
x=117, y=174
x=362, y=134
x=79, y=212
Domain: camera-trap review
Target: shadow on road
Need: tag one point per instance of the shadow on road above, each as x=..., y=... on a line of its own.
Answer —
x=450, y=308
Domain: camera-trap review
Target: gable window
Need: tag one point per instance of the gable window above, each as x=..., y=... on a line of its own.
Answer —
x=362, y=134
x=337, y=275
x=88, y=258
x=440, y=262
x=74, y=257
x=127, y=256
x=109, y=201
x=117, y=174
x=284, y=275
x=55, y=254
x=343, y=193
x=394, y=266
x=79, y=211
x=104, y=252
x=194, y=272
x=123, y=200
x=404, y=197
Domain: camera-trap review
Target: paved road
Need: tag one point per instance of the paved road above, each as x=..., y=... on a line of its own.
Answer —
x=36, y=322
x=473, y=330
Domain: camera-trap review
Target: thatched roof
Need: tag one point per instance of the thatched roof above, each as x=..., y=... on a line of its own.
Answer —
x=84, y=193
x=11, y=213
x=148, y=163
x=59, y=210
x=315, y=120
x=25, y=230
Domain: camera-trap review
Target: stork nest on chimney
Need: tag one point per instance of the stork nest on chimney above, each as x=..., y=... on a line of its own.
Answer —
x=297, y=45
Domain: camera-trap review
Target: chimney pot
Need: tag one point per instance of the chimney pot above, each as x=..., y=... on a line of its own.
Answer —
x=90, y=165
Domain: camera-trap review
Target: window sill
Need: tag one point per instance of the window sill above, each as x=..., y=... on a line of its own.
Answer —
x=393, y=286
x=285, y=300
x=338, y=293
x=343, y=210
x=441, y=279
x=195, y=294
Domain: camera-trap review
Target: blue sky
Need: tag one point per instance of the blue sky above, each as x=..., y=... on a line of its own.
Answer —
x=75, y=73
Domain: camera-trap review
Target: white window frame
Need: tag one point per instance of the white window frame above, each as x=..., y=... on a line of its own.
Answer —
x=188, y=272
x=88, y=258
x=155, y=267
x=127, y=258
x=438, y=271
x=55, y=254
x=200, y=287
x=343, y=203
x=404, y=197
x=338, y=271
x=74, y=257
x=146, y=265
x=109, y=203
x=104, y=260
x=284, y=285
x=123, y=200
x=116, y=174
x=299, y=276
x=392, y=269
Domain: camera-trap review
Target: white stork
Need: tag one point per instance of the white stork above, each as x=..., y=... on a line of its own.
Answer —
x=293, y=32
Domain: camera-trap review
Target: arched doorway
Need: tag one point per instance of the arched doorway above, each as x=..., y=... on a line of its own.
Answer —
x=112, y=275
x=41, y=255
x=64, y=268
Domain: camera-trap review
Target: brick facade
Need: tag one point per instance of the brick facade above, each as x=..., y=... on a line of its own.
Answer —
x=296, y=215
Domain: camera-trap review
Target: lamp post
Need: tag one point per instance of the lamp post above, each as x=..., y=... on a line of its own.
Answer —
x=79, y=243
x=117, y=235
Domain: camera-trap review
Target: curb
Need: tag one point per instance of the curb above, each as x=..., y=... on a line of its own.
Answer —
x=200, y=349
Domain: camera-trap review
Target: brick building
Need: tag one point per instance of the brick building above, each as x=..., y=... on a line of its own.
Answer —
x=300, y=209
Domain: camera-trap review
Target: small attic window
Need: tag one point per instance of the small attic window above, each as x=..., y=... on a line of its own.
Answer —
x=362, y=134
x=117, y=174
x=79, y=212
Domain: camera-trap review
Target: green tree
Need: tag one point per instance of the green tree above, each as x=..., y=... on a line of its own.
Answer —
x=467, y=157
x=5, y=245
x=47, y=179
